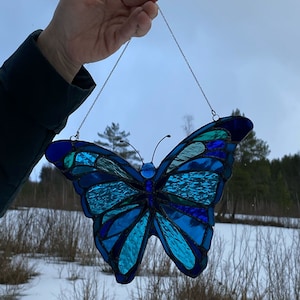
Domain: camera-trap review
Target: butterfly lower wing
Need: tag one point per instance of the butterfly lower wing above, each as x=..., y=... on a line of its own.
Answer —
x=190, y=181
x=185, y=238
x=186, y=218
x=121, y=235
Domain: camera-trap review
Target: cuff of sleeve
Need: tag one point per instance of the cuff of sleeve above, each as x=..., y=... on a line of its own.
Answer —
x=38, y=91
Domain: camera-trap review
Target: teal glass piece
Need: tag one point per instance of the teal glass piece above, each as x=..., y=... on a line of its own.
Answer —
x=187, y=153
x=130, y=250
x=69, y=160
x=109, y=166
x=174, y=202
x=212, y=135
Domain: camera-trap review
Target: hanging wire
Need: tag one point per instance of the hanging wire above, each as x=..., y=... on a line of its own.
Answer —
x=215, y=116
x=213, y=112
x=76, y=136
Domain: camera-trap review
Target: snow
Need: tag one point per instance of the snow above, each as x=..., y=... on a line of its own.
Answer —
x=62, y=280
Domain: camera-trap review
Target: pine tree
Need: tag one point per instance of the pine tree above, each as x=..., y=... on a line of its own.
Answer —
x=251, y=148
x=251, y=175
x=117, y=141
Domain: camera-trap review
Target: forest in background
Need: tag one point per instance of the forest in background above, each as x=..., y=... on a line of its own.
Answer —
x=259, y=186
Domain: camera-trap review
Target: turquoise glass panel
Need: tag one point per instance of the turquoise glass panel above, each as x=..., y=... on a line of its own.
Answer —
x=176, y=243
x=199, y=187
x=105, y=196
x=86, y=158
x=131, y=248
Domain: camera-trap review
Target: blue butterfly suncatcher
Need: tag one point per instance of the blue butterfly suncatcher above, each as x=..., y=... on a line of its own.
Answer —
x=174, y=202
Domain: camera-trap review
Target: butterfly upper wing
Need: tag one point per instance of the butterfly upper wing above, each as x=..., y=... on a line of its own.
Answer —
x=111, y=193
x=96, y=173
x=189, y=182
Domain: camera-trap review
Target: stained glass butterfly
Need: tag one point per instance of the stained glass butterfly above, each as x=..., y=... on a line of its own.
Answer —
x=174, y=202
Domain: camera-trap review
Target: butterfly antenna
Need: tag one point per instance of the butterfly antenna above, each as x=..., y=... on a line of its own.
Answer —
x=167, y=136
x=137, y=152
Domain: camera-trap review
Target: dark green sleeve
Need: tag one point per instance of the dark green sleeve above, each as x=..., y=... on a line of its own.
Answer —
x=35, y=102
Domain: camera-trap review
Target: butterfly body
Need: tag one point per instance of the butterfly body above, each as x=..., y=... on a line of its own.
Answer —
x=174, y=202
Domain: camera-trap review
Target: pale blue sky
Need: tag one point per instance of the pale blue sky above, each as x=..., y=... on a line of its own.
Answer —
x=246, y=55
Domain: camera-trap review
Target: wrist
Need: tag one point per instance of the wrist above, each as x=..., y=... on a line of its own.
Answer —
x=54, y=52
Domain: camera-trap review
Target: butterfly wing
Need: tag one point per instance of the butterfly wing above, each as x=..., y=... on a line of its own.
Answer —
x=189, y=182
x=121, y=236
x=111, y=193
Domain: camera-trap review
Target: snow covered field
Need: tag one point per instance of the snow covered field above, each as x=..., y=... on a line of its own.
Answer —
x=257, y=260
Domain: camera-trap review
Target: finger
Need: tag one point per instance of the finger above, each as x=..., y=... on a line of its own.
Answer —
x=138, y=24
x=133, y=3
x=151, y=9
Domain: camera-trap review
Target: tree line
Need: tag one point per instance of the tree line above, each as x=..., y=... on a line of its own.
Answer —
x=258, y=186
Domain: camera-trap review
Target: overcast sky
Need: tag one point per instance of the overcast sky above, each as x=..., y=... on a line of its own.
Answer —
x=245, y=54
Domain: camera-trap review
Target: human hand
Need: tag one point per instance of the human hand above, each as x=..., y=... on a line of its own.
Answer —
x=84, y=31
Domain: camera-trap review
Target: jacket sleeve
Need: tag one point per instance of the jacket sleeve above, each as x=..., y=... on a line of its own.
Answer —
x=35, y=102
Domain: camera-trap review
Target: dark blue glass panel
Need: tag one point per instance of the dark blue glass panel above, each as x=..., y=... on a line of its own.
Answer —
x=115, y=212
x=238, y=127
x=110, y=242
x=217, y=154
x=193, y=228
x=199, y=213
x=218, y=144
x=207, y=238
x=123, y=222
x=203, y=164
x=95, y=178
